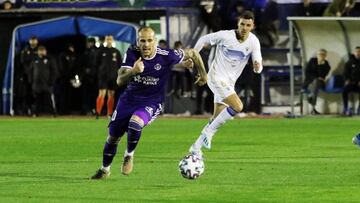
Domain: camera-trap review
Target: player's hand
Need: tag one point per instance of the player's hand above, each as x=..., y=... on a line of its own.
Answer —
x=188, y=63
x=201, y=80
x=138, y=66
x=256, y=66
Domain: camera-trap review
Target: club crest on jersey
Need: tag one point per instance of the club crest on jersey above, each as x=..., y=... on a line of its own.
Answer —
x=247, y=49
x=157, y=67
x=149, y=110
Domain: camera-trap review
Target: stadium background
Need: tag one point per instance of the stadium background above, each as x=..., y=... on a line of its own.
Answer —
x=261, y=159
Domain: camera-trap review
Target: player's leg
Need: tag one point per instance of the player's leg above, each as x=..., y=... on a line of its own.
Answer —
x=233, y=105
x=117, y=127
x=100, y=101
x=195, y=148
x=227, y=104
x=137, y=122
x=116, y=131
x=110, y=102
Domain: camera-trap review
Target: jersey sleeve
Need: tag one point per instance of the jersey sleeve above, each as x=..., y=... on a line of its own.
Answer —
x=212, y=39
x=129, y=58
x=176, y=56
x=256, y=54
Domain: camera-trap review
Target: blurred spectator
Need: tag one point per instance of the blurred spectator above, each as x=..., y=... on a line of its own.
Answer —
x=177, y=75
x=339, y=8
x=88, y=76
x=163, y=44
x=110, y=61
x=235, y=12
x=68, y=69
x=210, y=14
x=22, y=87
x=314, y=8
x=7, y=5
x=352, y=80
x=42, y=74
x=315, y=73
x=267, y=22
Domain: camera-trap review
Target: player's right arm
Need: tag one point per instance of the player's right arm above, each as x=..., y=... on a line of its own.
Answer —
x=209, y=39
x=126, y=74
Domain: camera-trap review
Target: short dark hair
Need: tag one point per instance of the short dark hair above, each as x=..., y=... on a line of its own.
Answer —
x=162, y=41
x=177, y=44
x=323, y=50
x=358, y=47
x=248, y=15
x=91, y=39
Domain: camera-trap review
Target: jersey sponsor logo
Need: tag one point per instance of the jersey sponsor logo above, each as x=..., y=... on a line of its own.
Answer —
x=150, y=110
x=114, y=57
x=147, y=80
x=157, y=67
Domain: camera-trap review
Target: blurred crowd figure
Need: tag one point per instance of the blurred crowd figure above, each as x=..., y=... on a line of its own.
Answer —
x=109, y=62
x=352, y=81
x=23, y=97
x=71, y=82
x=317, y=77
x=339, y=8
x=41, y=74
x=316, y=71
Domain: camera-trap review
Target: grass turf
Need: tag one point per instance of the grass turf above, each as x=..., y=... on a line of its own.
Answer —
x=252, y=160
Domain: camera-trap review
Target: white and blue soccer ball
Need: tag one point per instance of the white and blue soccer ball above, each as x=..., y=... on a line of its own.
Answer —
x=356, y=140
x=191, y=167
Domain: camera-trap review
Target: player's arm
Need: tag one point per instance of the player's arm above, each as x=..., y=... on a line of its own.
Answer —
x=257, y=58
x=194, y=57
x=209, y=39
x=126, y=74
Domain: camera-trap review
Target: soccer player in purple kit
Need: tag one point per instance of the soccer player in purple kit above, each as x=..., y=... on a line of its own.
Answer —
x=145, y=70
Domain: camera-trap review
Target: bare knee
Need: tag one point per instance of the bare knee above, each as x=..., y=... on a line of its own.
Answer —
x=102, y=92
x=238, y=108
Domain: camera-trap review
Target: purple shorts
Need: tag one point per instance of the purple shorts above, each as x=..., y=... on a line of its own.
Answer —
x=124, y=110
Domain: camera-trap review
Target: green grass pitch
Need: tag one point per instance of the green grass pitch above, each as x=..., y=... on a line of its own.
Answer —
x=252, y=160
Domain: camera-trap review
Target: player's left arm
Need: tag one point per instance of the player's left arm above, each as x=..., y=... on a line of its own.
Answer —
x=192, y=57
x=256, y=57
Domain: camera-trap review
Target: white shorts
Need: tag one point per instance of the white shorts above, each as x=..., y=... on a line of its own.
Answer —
x=221, y=89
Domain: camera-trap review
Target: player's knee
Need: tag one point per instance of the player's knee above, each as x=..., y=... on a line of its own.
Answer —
x=136, y=123
x=236, y=109
x=113, y=140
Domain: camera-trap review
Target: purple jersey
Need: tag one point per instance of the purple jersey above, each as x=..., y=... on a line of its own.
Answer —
x=150, y=85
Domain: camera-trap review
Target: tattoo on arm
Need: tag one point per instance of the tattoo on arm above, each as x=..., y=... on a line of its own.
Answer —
x=124, y=76
x=195, y=56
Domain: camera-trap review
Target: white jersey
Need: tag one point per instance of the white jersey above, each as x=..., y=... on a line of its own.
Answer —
x=231, y=56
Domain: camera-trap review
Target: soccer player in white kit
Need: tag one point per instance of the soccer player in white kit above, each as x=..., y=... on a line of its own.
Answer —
x=233, y=49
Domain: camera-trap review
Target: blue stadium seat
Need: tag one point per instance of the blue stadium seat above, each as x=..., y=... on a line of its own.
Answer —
x=335, y=84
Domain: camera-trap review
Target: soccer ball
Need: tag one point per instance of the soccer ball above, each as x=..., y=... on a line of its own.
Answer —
x=191, y=167
x=356, y=140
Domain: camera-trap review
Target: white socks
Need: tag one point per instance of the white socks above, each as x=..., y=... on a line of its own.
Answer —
x=129, y=154
x=211, y=128
x=107, y=168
